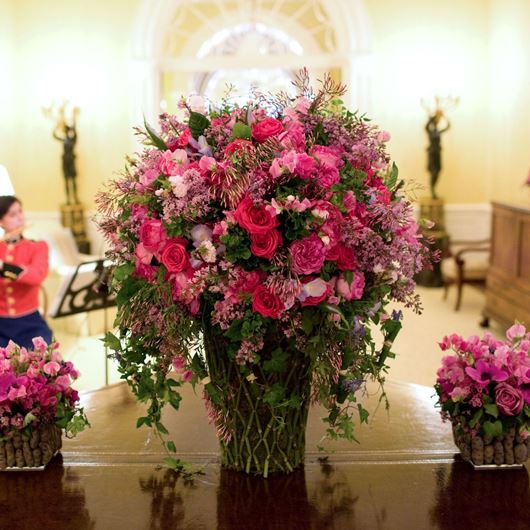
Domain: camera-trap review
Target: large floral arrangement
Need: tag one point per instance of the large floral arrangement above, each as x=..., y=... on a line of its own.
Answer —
x=278, y=231
x=484, y=387
x=35, y=389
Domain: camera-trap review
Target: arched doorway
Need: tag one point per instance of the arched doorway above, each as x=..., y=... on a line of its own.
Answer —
x=180, y=47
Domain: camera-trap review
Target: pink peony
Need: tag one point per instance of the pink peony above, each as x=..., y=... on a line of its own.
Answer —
x=509, y=400
x=307, y=255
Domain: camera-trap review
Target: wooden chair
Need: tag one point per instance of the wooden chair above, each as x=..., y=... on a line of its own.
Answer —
x=466, y=262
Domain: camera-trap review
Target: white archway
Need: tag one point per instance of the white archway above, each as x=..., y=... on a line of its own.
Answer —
x=351, y=54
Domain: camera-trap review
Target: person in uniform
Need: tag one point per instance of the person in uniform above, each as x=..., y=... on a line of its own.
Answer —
x=23, y=268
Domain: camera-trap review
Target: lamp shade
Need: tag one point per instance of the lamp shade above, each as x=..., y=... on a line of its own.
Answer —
x=6, y=187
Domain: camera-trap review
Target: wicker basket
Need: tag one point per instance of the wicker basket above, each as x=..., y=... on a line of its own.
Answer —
x=507, y=450
x=30, y=450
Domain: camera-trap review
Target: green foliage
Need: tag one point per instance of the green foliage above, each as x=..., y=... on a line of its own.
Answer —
x=198, y=123
x=491, y=428
x=241, y=130
x=155, y=139
x=278, y=362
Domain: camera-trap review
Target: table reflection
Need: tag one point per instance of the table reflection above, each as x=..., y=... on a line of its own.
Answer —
x=493, y=499
x=53, y=498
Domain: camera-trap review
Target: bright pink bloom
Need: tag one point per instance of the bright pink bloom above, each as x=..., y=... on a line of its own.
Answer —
x=484, y=373
x=307, y=255
x=266, y=128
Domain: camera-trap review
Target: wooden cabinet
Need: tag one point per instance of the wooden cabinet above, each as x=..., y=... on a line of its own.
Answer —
x=508, y=282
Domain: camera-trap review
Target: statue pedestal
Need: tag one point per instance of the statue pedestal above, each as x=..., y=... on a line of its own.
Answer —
x=73, y=217
x=433, y=210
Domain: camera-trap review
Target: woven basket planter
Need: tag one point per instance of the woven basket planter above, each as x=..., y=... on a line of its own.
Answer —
x=502, y=451
x=30, y=450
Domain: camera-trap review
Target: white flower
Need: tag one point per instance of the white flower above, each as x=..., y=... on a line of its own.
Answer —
x=197, y=104
x=325, y=240
x=207, y=251
x=180, y=188
x=378, y=268
x=322, y=214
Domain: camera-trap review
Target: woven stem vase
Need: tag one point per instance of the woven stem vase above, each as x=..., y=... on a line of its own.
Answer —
x=259, y=432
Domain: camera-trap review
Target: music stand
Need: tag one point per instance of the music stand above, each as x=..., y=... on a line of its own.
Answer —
x=85, y=289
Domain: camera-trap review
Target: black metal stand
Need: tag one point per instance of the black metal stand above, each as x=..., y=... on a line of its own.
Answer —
x=85, y=290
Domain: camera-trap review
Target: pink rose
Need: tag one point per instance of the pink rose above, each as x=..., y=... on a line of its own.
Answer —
x=266, y=128
x=174, y=256
x=152, y=235
x=305, y=166
x=353, y=291
x=510, y=400
x=265, y=245
x=266, y=303
x=62, y=382
x=307, y=255
x=255, y=219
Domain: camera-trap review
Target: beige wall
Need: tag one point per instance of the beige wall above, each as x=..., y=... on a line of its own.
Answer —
x=477, y=49
x=75, y=50
x=427, y=47
x=7, y=82
x=509, y=142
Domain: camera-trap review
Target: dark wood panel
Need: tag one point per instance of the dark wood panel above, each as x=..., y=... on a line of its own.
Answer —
x=524, y=254
x=508, y=282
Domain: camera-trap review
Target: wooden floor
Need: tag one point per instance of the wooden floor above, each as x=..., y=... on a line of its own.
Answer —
x=402, y=475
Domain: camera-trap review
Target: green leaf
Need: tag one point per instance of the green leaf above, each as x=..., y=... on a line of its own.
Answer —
x=123, y=271
x=307, y=321
x=198, y=123
x=278, y=361
x=274, y=395
x=171, y=462
x=363, y=413
x=28, y=418
x=171, y=446
x=214, y=394
x=175, y=399
x=144, y=420
x=112, y=342
x=392, y=177
x=157, y=141
x=160, y=427
x=492, y=410
x=348, y=276
x=241, y=130
x=476, y=418
x=492, y=428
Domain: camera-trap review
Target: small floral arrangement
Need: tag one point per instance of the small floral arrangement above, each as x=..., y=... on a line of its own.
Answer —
x=35, y=389
x=277, y=232
x=484, y=388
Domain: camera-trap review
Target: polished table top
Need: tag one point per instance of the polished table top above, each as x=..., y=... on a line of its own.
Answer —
x=403, y=474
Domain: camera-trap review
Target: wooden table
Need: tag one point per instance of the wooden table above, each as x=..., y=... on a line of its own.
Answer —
x=402, y=475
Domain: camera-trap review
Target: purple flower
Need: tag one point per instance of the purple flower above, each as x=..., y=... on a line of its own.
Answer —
x=484, y=373
x=352, y=385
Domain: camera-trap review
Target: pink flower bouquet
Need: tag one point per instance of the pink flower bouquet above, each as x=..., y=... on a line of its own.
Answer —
x=484, y=390
x=35, y=395
x=276, y=232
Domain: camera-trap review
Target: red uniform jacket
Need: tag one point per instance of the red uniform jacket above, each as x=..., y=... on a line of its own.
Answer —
x=20, y=296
